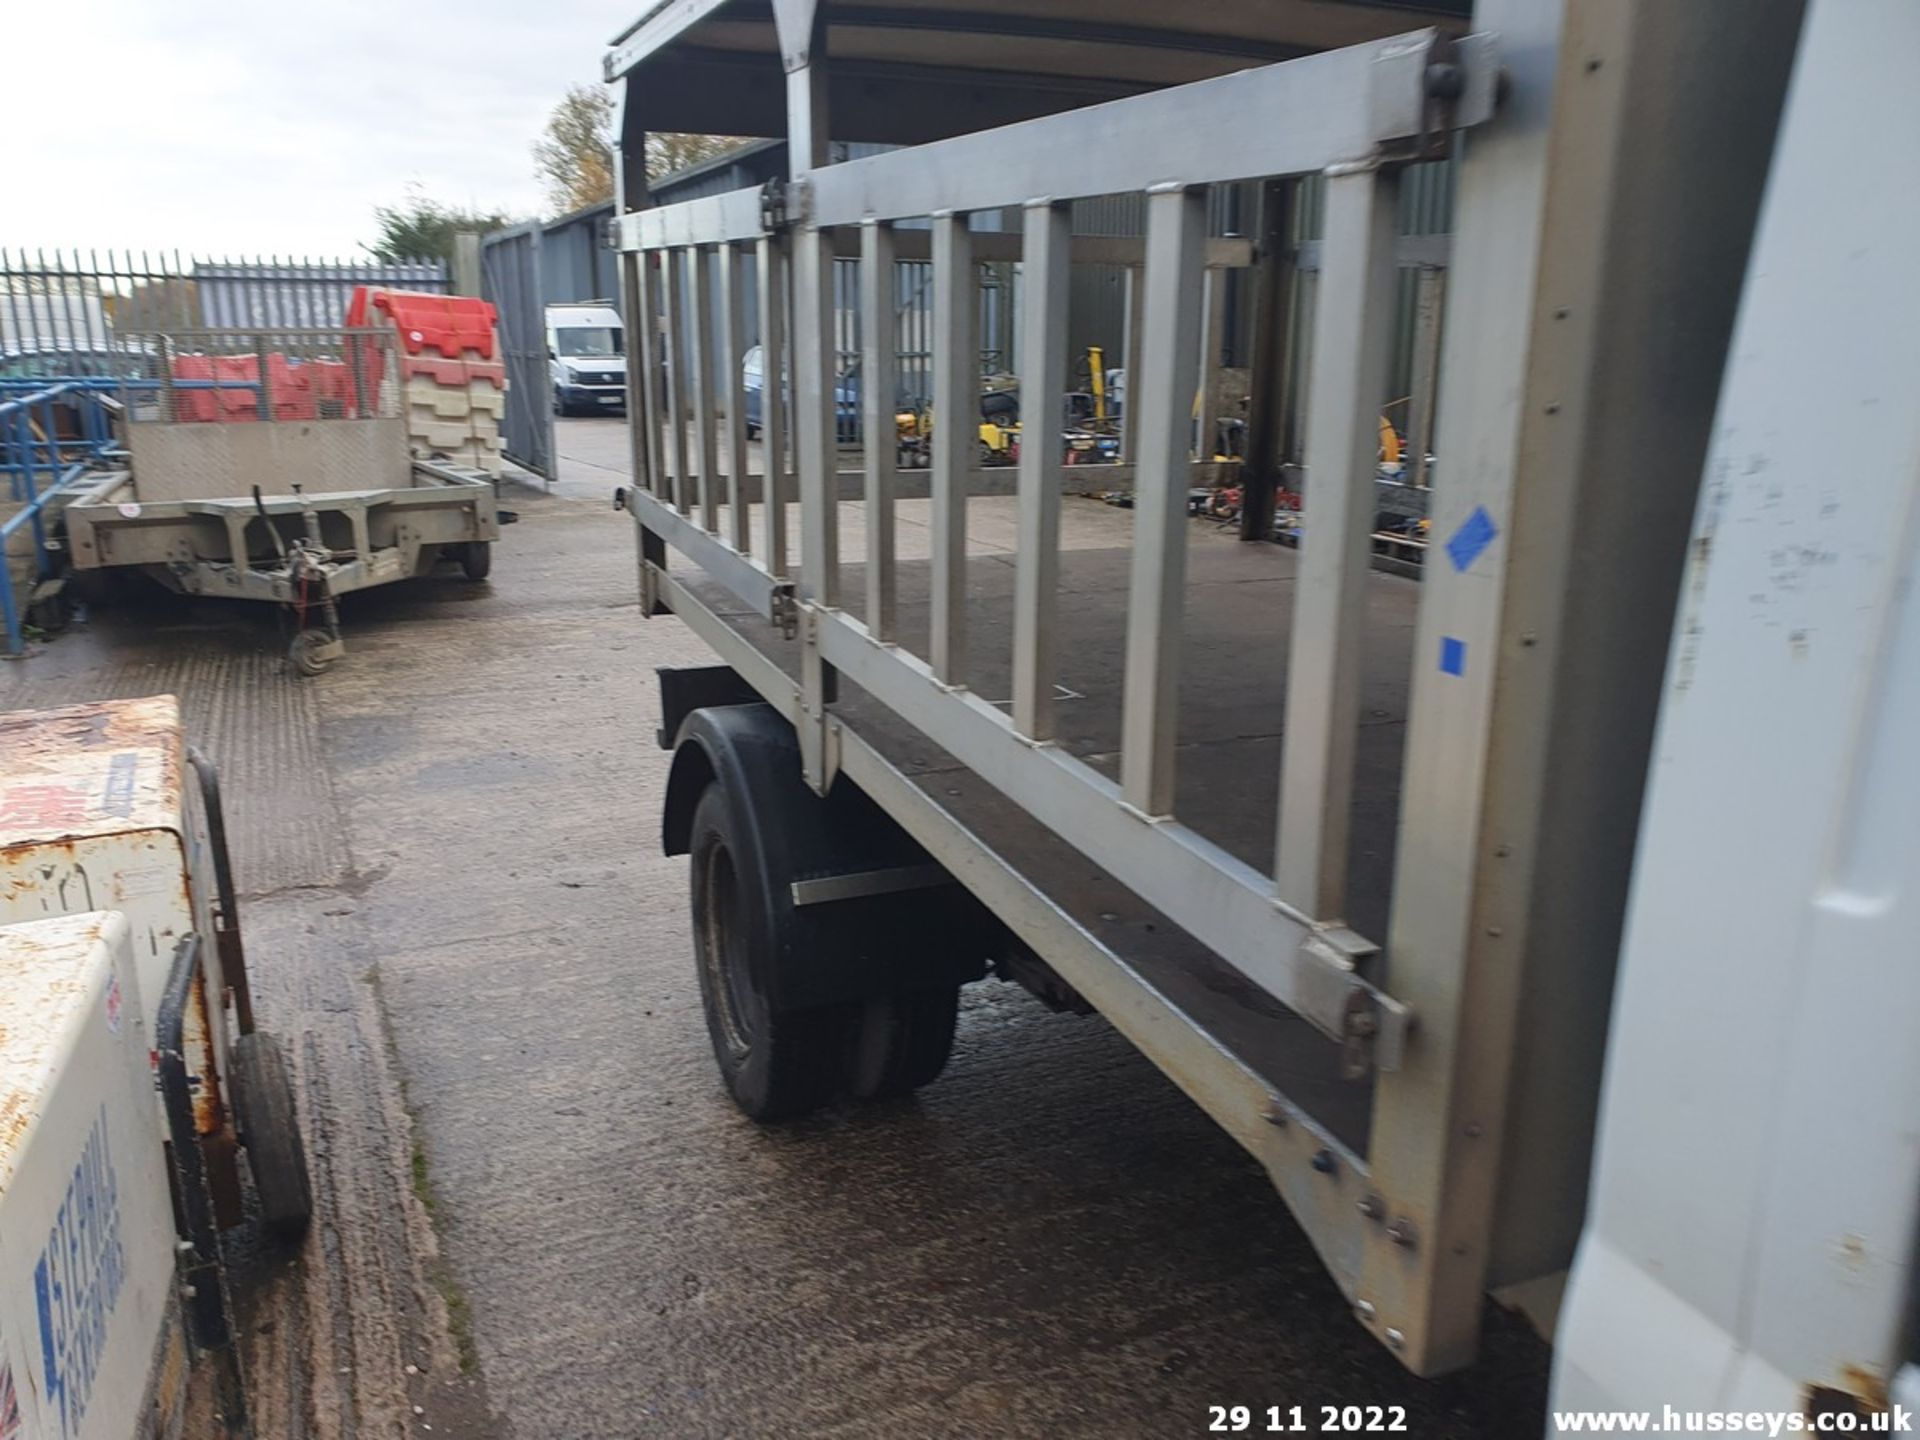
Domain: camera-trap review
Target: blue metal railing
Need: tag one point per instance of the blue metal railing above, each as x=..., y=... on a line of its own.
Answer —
x=41, y=464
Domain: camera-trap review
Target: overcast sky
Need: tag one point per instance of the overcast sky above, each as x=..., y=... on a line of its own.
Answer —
x=276, y=128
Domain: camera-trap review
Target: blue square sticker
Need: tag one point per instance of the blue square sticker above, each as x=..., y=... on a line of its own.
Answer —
x=1471, y=540
x=1453, y=656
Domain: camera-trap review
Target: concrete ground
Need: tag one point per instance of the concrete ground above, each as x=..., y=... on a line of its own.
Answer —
x=540, y=1215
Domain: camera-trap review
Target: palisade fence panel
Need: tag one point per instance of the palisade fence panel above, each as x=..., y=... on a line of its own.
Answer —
x=510, y=277
x=67, y=312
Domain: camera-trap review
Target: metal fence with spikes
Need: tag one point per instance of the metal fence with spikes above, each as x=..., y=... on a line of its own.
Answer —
x=65, y=312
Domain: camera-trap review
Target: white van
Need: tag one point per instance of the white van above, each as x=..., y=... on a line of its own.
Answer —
x=587, y=357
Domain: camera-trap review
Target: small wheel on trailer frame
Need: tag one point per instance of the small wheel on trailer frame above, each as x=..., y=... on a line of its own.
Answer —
x=269, y=1128
x=476, y=559
x=901, y=1042
x=313, y=651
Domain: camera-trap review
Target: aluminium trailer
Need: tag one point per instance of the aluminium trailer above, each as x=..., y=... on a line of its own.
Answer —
x=1345, y=855
x=275, y=466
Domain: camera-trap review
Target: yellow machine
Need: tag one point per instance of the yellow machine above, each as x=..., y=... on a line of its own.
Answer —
x=913, y=435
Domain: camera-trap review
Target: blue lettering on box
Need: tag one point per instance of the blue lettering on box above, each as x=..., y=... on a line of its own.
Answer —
x=78, y=1280
x=117, y=799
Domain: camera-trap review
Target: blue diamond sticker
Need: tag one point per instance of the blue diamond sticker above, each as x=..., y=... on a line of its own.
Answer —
x=1453, y=656
x=1471, y=540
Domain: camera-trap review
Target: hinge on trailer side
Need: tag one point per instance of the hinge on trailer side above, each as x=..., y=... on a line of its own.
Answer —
x=783, y=609
x=1370, y=1025
x=1459, y=86
x=781, y=205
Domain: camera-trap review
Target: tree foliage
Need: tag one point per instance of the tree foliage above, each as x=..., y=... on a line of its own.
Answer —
x=667, y=153
x=574, y=157
x=422, y=228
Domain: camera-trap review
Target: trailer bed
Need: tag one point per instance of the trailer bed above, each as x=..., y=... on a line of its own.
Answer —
x=1238, y=615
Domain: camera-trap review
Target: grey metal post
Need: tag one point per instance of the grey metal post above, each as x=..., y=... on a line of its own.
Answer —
x=814, y=401
x=1353, y=337
x=675, y=307
x=640, y=286
x=770, y=258
x=1429, y=305
x=1043, y=379
x=733, y=332
x=814, y=406
x=466, y=262
x=807, y=135
x=1176, y=242
x=879, y=379
x=1533, y=707
x=956, y=424
x=643, y=369
x=1130, y=366
x=1273, y=317
x=700, y=332
x=1213, y=314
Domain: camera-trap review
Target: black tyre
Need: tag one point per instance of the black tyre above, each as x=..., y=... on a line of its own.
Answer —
x=476, y=559
x=901, y=1042
x=269, y=1128
x=777, y=1063
x=559, y=405
x=303, y=654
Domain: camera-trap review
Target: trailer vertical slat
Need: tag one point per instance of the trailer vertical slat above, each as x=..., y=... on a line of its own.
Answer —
x=700, y=334
x=643, y=328
x=1043, y=371
x=815, y=399
x=1176, y=240
x=956, y=409
x=879, y=380
x=671, y=268
x=733, y=329
x=769, y=261
x=1353, y=338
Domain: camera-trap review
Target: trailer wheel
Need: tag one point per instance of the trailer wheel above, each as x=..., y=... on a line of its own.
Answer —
x=476, y=559
x=270, y=1130
x=304, y=654
x=902, y=1042
x=776, y=1062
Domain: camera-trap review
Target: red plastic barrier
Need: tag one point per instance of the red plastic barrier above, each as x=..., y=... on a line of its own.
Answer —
x=332, y=382
x=194, y=404
x=456, y=373
x=298, y=388
x=291, y=383
x=452, y=325
x=237, y=402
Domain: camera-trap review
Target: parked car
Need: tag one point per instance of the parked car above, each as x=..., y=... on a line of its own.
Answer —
x=846, y=397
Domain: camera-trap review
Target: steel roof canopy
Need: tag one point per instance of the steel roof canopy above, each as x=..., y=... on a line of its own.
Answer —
x=909, y=71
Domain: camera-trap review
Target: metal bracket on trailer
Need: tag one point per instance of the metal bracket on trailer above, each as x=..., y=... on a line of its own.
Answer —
x=825, y=889
x=1370, y=1025
x=781, y=205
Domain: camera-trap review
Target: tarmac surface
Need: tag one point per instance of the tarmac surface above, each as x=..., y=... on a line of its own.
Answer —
x=540, y=1216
